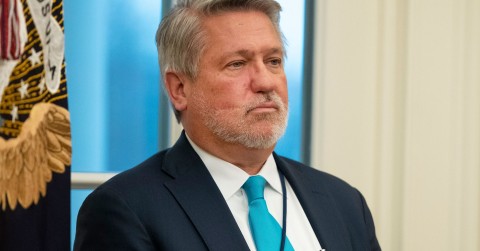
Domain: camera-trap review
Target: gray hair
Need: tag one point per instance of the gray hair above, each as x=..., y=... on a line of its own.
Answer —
x=181, y=39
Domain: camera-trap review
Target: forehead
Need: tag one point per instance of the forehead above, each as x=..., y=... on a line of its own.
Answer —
x=240, y=29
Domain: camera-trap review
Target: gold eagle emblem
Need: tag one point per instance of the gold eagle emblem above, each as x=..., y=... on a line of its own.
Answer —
x=28, y=161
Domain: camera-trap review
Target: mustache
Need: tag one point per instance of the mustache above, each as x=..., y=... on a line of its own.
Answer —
x=264, y=98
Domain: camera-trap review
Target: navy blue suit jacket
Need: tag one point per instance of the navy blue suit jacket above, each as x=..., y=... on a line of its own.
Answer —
x=171, y=202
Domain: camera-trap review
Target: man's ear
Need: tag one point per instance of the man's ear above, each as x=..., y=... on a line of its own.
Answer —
x=176, y=90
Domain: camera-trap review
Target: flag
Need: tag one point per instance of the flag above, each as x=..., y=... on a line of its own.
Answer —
x=35, y=139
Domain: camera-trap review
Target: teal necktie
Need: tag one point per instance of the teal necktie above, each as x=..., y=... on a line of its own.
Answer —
x=266, y=231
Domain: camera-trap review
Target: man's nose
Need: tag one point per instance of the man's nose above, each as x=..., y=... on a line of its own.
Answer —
x=262, y=78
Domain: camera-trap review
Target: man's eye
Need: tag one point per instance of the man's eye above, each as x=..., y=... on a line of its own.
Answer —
x=276, y=62
x=236, y=64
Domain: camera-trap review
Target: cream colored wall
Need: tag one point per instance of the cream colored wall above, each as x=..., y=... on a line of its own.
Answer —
x=397, y=114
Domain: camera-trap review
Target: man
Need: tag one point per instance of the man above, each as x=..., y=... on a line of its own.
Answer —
x=222, y=64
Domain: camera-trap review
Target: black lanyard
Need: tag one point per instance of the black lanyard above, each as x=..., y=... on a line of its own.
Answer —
x=284, y=219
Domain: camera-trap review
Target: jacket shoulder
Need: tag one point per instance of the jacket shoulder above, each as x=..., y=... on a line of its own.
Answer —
x=318, y=175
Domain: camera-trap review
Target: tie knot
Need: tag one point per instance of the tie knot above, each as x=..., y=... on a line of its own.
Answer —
x=254, y=187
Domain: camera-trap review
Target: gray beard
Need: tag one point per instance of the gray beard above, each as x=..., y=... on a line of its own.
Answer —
x=240, y=132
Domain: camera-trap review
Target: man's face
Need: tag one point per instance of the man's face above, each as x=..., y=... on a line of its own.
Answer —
x=240, y=94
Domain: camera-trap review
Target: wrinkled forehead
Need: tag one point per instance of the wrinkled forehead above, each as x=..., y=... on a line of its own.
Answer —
x=229, y=24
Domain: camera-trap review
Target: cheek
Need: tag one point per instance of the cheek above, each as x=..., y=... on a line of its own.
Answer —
x=228, y=102
x=219, y=98
x=283, y=90
x=229, y=93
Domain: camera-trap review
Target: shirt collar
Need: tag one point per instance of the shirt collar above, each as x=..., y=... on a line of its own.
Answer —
x=230, y=178
x=270, y=172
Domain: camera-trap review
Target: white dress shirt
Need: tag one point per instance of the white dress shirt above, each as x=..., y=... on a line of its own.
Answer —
x=230, y=178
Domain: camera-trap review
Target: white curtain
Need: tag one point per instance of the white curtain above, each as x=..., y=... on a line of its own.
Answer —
x=397, y=114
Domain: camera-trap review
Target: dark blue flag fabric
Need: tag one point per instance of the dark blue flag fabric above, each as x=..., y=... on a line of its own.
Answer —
x=35, y=139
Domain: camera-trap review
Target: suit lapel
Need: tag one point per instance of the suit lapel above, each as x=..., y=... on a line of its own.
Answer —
x=320, y=208
x=196, y=192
